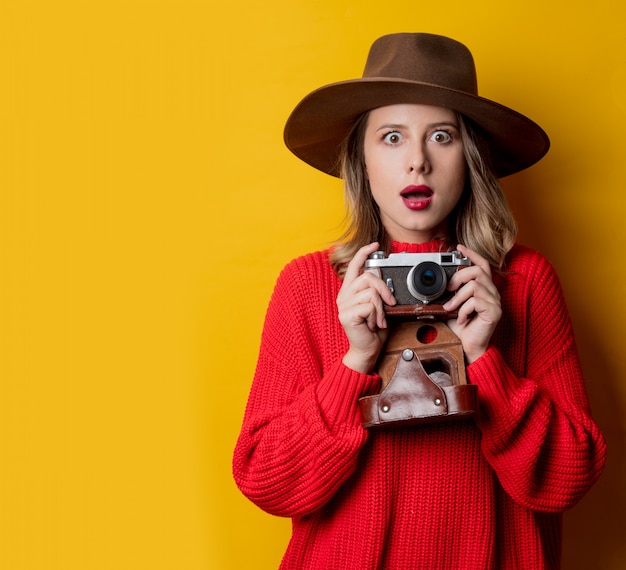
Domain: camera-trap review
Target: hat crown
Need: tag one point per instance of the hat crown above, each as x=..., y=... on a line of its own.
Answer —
x=424, y=58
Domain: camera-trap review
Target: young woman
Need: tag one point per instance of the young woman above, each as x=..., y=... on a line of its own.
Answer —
x=420, y=154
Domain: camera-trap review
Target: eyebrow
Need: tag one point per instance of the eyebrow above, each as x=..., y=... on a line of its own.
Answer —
x=430, y=126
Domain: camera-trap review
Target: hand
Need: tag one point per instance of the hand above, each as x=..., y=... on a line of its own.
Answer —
x=478, y=304
x=360, y=305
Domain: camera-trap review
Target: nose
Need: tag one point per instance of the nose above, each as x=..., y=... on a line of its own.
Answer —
x=418, y=161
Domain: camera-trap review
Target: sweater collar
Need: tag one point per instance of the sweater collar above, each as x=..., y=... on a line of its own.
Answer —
x=427, y=247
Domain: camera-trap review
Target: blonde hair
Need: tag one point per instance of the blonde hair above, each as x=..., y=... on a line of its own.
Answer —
x=481, y=220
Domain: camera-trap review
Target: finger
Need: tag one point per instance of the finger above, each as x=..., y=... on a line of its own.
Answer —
x=356, y=264
x=480, y=310
x=364, y=314
x=363, y=282
x=475, y=258
x=370, y=298
x=376, y=283
x=479, y=273
x=464, y=275
x=366, y=282
x=462, y=295
x=474, y=291
x=466, y=310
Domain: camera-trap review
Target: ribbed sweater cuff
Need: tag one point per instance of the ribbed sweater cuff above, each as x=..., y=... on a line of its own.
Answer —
x=339, y=391
x=495, y=380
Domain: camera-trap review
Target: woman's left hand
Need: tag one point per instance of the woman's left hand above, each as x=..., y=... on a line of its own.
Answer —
x=478, y=304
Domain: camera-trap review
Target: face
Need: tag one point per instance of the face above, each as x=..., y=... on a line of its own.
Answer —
x=416, y=169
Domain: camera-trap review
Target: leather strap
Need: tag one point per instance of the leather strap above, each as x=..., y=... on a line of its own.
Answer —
x=420, y=311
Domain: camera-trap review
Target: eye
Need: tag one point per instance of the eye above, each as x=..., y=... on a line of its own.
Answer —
x=392, y=137
x=441, y=137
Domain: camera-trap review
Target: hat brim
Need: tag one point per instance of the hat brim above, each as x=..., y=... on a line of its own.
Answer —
x=318, y=125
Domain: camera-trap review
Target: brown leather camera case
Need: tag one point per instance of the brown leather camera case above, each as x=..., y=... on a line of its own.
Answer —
x=423, y=378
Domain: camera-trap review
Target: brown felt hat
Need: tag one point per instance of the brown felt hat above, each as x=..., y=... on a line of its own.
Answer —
x=411, y=68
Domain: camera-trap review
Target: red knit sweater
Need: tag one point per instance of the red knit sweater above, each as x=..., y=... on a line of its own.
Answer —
x=460, y=495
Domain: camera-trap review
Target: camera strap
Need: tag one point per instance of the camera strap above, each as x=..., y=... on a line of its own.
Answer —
x=423, y=379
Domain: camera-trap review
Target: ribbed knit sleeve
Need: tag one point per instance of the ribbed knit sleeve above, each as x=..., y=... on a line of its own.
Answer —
x=302, y=431
x=538, y=434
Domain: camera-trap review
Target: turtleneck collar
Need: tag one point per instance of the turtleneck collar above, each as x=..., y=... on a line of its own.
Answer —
x=427, y=247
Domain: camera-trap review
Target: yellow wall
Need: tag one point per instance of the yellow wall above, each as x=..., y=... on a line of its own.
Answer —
x=147, y=204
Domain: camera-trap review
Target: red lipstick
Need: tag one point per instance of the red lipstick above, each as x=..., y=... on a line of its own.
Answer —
x=417, y=197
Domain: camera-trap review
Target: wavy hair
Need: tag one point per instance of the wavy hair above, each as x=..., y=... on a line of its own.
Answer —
x=481, y=220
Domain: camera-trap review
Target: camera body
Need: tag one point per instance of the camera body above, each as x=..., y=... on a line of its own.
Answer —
x=417, y=278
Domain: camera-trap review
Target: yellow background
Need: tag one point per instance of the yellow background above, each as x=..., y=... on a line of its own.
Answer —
x=147, y=204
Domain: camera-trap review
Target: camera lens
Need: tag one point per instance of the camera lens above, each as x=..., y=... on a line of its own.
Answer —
x=428, y=278
x=427, y=281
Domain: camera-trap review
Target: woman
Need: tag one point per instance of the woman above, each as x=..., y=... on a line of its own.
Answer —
x=420, y=153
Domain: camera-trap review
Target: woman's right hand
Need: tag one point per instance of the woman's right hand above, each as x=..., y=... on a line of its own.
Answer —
x=361, y=303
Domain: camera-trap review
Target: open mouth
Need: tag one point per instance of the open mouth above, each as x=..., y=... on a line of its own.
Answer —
x=417, y=197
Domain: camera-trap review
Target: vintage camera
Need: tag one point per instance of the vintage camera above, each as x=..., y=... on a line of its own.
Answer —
x=417, y=278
